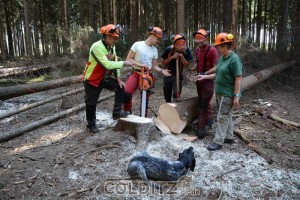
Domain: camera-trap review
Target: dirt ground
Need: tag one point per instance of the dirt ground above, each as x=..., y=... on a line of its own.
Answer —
x=62, y=160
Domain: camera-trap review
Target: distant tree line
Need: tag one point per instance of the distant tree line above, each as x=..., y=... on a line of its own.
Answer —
x=63, y=27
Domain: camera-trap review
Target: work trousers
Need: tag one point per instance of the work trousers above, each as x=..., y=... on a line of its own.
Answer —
x=224, y=119
x=132, y=85
x=92, y=94
x=205, y=90
x=170, y=88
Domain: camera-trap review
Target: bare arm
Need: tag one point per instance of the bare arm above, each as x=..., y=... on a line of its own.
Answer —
x=157, y=68
x=237, y=90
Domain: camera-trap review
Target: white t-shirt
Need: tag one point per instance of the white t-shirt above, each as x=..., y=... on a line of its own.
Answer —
x=144, y=54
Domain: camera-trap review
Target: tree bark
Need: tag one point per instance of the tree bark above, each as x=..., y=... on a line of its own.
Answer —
x=137, y=126
x=20, y=131
x=176, y=116
x=15, y=91
x=21, y=70
x=180, y=16
x=27, y=30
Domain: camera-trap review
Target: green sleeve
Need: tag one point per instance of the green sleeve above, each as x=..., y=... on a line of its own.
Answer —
x=109, y=65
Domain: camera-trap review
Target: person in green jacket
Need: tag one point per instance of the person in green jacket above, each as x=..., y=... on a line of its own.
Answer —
x=103, y=71
x=228, y=81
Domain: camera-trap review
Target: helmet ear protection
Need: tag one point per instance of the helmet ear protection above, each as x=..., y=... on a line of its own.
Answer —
x=223, y=38
x=158, y=32
x=113, y=30
x=177, y=37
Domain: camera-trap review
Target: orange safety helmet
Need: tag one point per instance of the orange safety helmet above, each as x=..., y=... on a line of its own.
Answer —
x=156, y=31
x=223, y=38
x=201, y=35
x=179, y=39
x=112, y=30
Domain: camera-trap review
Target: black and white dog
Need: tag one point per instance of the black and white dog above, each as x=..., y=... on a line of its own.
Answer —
x=145, y=166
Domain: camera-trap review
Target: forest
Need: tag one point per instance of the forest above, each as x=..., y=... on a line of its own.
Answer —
x=47, y=152
x=43, y=28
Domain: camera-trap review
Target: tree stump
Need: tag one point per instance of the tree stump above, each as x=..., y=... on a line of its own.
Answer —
x=139, y=127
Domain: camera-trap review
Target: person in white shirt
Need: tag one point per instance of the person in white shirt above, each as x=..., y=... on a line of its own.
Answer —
x=142, y=54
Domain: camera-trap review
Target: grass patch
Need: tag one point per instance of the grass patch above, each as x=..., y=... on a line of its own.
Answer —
x=41, y=78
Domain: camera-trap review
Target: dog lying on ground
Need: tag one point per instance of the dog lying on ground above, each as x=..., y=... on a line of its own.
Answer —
x=145, y=166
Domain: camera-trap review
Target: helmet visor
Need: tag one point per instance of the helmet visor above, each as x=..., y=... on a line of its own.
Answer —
x=199, y=38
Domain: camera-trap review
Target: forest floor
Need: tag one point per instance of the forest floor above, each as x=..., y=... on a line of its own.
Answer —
x=62, y=160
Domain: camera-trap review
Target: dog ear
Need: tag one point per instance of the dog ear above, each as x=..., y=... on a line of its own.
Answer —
x=180, y=155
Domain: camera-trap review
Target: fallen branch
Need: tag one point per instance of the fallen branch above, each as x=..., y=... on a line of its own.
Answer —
x=106, y=146
x=20, y=131
x=277, y=118
x=225, y=173
x=253, y=146
x=36, y=104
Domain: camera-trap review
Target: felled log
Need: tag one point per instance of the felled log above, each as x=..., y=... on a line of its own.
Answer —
x=137, y=126
x=20, y=131
x=33, y=105
x=277, y=118
x=178, y=115
x=19, y=90
x=255, y=148
x=22, y=70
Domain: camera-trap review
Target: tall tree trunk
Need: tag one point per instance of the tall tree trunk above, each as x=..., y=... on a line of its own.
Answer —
x=265, y=24
x=133, y=20
x=81, y=11
x=8, y=29
x=227, y=6
x=250, y=21
x=27, y=29
x=180, y=16
x=281, y=45
x=66, y=32
x=258, y=22
x=107, y=11
x=92, y=15
x=115, y=12
x=36, y=48
x=296, y=30
x=243, y=16
x=235, y=5
x=2, y=44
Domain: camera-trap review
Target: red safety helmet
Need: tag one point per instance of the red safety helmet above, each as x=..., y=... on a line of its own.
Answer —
x=112, y=30
x=223, y=38
x=201, y=35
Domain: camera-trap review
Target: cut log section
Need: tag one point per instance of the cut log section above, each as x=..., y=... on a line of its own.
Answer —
x=178, y=115
x=137, y=126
